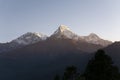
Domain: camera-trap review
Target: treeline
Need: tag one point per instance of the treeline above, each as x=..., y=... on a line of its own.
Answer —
x=100, y=67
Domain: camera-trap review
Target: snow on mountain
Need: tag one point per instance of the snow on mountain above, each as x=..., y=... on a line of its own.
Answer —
x=64, y=32
x=30, y=38
x=95, y=39
x=92, y=37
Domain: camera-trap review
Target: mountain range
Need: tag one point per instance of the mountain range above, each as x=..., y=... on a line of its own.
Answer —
x=34, y=56
x=62, y=32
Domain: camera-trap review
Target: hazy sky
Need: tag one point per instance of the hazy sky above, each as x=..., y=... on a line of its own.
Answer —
x=82, y=16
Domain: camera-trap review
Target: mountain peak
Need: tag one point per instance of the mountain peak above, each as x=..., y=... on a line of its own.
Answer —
x=93, y=36
x=64, y=32
x=95, y=39
x=63, y=28
x=30, y=38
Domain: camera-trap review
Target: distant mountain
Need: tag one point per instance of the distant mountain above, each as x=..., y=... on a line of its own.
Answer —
x=64, y=32
x=30, y=38
x=25, y=39
x=95, y=39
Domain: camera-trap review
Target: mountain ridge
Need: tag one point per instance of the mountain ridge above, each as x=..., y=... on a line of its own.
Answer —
x=30, y=38
x=63, y=32
x=25, y=39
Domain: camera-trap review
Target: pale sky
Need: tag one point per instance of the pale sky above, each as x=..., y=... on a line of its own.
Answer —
x=81, y=16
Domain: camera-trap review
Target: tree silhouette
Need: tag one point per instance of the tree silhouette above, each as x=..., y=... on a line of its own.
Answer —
x=101, y=68
x=70, y=73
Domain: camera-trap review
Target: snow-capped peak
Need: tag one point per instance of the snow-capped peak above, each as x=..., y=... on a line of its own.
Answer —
x=30, y=38
x=64, y=32
x=42, y=36
x=63, y=28
x=95, y=39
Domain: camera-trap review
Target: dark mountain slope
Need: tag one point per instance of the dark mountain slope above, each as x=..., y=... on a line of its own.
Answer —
x=42, y=60
x=114, y=51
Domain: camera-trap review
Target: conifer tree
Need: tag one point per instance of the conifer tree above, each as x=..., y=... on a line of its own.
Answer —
x=70, y=73
x=101, y=67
